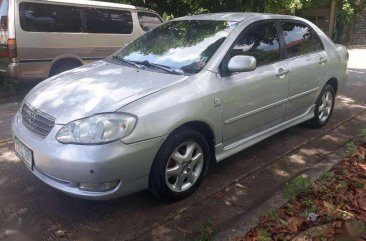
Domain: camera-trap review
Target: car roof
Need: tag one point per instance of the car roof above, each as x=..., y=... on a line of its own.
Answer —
x=97, y=4
x=234, y=16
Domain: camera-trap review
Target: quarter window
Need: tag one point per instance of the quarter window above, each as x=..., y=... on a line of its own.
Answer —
x=39, y=17
x=260, y=41
x=108, y=21
x=300, y=39
x=149, y=20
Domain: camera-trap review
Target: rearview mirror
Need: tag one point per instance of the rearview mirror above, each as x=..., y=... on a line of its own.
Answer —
x=242, y=63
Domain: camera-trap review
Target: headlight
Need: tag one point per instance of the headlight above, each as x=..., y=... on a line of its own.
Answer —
x=97, y=129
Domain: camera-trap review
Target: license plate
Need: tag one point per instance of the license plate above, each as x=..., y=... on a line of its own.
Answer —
x=24, y=153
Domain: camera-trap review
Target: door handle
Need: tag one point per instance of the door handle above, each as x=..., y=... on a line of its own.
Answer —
x=322, y=60
x=282, y=72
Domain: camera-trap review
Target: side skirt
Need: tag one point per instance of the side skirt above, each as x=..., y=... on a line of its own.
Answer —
x=225, y=151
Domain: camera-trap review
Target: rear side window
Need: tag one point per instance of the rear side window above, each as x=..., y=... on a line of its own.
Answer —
x=3, y=14
x=108, y=21
x=148, y=20
x=38, y=17
x=300, y=39
x=261, y=41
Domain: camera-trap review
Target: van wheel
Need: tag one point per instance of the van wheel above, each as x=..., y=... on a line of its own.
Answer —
x=63, y=65
x=180, y=165
x=323, y=108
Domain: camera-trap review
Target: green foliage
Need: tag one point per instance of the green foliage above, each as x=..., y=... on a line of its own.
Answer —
x=264, y=235
x=325, y=177
x=297, y=186
x=7, y=85
x=350, y=149
x=206, y=231
x=271, y=214
x=362, y=133
x=347, y=9
x=310, y=206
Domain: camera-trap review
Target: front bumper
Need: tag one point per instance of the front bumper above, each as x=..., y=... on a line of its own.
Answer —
x=65, y=166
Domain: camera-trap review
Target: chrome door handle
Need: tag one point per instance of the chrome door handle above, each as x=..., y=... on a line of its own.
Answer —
x=282, y=72
x=322, y=60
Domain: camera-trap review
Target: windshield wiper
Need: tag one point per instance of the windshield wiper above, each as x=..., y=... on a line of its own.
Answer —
x=127, y=61
x=159, y=66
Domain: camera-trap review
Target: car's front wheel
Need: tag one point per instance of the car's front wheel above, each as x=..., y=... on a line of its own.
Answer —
x=323, y=107
x=180, y=164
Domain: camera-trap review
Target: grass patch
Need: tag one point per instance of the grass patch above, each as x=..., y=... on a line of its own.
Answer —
x=297, y=186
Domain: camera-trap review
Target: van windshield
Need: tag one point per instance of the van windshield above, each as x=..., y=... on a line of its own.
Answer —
x=3, y=14
x=182, y=46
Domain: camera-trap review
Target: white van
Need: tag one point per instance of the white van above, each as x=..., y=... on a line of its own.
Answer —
x=42, y=38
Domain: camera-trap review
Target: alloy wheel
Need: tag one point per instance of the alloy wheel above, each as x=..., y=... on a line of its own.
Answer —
x=184, y=167
x=325, y=106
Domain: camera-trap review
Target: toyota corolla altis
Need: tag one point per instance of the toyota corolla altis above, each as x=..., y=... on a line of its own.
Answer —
x=189, y=93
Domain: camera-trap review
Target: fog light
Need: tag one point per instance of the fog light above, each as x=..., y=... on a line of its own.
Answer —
x=99, y=187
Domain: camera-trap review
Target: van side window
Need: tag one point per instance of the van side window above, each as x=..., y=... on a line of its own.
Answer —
x=108, y=21
x=4, y=15
x=38, y=17
x=148, y=21
x=261, y=41
x=300, y=39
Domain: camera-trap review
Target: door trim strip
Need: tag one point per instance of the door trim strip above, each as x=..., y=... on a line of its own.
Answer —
x=271, y=105
x=242, y=141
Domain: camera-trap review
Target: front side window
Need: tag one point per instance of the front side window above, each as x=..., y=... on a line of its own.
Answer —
x=39, y=17
x=261, y=41
x=108, y=21
x=300, y=39
x=148, y=21
x=184, y=46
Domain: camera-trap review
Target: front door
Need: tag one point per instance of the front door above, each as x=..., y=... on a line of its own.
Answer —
x=256, y=100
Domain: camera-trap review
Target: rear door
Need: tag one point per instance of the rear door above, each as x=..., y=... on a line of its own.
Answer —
x=307, y=63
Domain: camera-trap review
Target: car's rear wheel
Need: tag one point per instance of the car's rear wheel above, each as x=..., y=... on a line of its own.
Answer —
x=324, y=107
x=180, y=164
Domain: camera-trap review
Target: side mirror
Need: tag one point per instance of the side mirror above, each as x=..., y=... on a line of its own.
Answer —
x=242, y=63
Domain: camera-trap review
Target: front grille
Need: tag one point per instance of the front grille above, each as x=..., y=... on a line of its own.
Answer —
x=37, y=121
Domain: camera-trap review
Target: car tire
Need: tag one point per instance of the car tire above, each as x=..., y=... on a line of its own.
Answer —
x=179, y=165
x=323, y=108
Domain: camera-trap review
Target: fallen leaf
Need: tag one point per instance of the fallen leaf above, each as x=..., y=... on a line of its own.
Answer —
x=294, y=223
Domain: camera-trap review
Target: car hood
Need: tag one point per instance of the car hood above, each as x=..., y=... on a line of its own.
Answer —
x=96, y=88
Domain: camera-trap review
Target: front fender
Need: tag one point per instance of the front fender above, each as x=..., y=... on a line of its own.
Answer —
x=161, y=113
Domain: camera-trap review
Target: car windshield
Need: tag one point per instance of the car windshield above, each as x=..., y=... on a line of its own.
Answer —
x=181, y=46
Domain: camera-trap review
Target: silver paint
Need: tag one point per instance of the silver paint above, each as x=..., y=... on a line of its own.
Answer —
x=241, y=109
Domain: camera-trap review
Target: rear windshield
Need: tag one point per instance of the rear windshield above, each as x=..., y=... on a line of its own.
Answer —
x=39, y=17
x=3, y=14
x=149, y=21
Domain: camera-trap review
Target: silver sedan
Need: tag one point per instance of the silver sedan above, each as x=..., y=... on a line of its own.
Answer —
x=187, y=94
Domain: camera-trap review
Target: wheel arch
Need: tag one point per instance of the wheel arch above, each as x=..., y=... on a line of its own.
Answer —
x=334, y=83
x=206, y=130
x=63, y=59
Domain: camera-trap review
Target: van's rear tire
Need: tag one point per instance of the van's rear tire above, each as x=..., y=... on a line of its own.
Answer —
x=63, y=65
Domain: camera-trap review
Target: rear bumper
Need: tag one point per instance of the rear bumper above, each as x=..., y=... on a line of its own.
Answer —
x=12, y=70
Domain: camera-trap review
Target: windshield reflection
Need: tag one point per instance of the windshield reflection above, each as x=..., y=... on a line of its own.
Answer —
x=183, y=46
